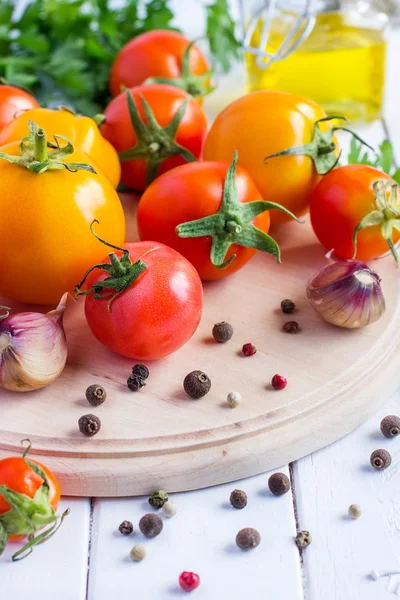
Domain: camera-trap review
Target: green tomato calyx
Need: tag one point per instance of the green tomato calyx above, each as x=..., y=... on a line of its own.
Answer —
x=232, y=224
x=386, y=215
x=154, y=143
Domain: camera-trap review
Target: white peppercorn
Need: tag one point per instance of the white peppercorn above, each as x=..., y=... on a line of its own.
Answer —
x=169, y=509
x=138, y=552
x=234, y=399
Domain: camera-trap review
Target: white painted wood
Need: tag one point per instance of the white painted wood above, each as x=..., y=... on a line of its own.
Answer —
x=200, y=538
x=55, y=570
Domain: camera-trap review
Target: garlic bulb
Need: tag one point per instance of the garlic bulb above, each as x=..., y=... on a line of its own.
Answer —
x=347, y=294
x=33, y=348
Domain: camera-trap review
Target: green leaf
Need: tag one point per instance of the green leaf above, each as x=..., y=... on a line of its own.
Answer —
x=396, y=176
x=224, y=45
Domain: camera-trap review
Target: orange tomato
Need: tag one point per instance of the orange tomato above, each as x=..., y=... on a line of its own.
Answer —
x=264, y=123
x=83, y=132
x=13, y=100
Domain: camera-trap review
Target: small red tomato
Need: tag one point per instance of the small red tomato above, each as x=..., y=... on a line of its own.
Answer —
x=154, y=128
x=189, y=581
x=165, y=55
x=147, y=305
x=279, y=382
x=355, y=207
x=211, y=213
x=13, y=100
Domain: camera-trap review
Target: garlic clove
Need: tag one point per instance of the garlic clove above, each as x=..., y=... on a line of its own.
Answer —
x=347, y=294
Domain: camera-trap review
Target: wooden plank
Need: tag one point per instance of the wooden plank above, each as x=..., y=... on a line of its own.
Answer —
x=58, y=568
x=200, y=538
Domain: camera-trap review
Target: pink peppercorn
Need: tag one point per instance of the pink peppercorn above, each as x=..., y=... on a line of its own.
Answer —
x=249, y=349
x=279, y=382
x=189, y=581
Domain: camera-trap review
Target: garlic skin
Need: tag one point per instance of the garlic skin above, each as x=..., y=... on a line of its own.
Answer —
x=347, y=294
x=33, y=349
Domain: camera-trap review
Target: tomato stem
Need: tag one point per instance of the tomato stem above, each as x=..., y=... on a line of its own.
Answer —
x=40, y=145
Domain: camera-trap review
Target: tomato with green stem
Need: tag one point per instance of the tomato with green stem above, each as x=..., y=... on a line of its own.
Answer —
x=154, y=128
x=143, y=301
x=212, y=213
x=355, y=211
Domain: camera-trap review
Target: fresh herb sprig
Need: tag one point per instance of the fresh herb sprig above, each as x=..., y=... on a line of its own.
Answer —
x=383, y=159
x=62, y=50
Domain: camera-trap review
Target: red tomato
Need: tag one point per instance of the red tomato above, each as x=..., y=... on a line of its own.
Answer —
x=157, y=313
x=164, y=101
x=12, y=101
x=339, y=203
x=158, y=53
x=192, y=192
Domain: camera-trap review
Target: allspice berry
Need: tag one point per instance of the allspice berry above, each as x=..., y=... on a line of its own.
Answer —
x=380, y=459
x=238, y=499
x=158, y=499
x=279, y=484
x=287, y=306
x=248, y=538
x=150, y=525
x=95, y=395
x=126, y=528
x=222, y=332
x=355, y=511
x=138, y=552
x=390, y=426
x=197, y=384
x=303, y=539
x=291, y=327
x=89, y=425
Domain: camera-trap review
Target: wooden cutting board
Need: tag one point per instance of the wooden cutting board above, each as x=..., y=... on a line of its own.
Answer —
x=158, y=438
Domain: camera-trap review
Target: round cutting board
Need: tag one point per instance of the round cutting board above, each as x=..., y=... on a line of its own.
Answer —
x=158, y=438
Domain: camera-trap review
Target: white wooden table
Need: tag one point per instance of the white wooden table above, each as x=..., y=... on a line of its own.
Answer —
x=89, y=559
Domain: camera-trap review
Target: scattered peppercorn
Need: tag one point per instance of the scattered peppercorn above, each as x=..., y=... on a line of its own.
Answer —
x=126, y=528
x=279, y=484
x=138, y=552
x=234, y=399
x=291, y=327
x=279, y=382
x=355, y=511
x=89, y=425
x=380, y=459
x=189, y=581
x=135, y=383
x=169, y=509
x=248, y=349
x=197, y=384
x=303, y=539
x=287, y=306
x=140, y=370
x=150, y=525
x=248, y=538
x=390, y=426
x=222, y=332
x=238, y=499
x=96, y=395
x=158, y=499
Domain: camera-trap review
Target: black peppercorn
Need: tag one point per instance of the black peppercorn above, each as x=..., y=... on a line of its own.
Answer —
x=390, y=426
x=380, y=459
x=135, y=383
x=248, y=538
x=222, y=332
x=197, y=384
x=303, y=539
x=158, y=499
x=291, y=327
x=140, y=370
x=287, y=306
x=96, y=395
x=150, y=525
x=279, y=484
x=238, y=499
x=89, y=425
x=126, y=528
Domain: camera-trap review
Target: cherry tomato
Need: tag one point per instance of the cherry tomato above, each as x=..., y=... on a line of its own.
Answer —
x=342, y=200
x=192, y=192
x=157, y=313
x=164, y=102
x=13, y=100
x=261, y=124
x=159, y=54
